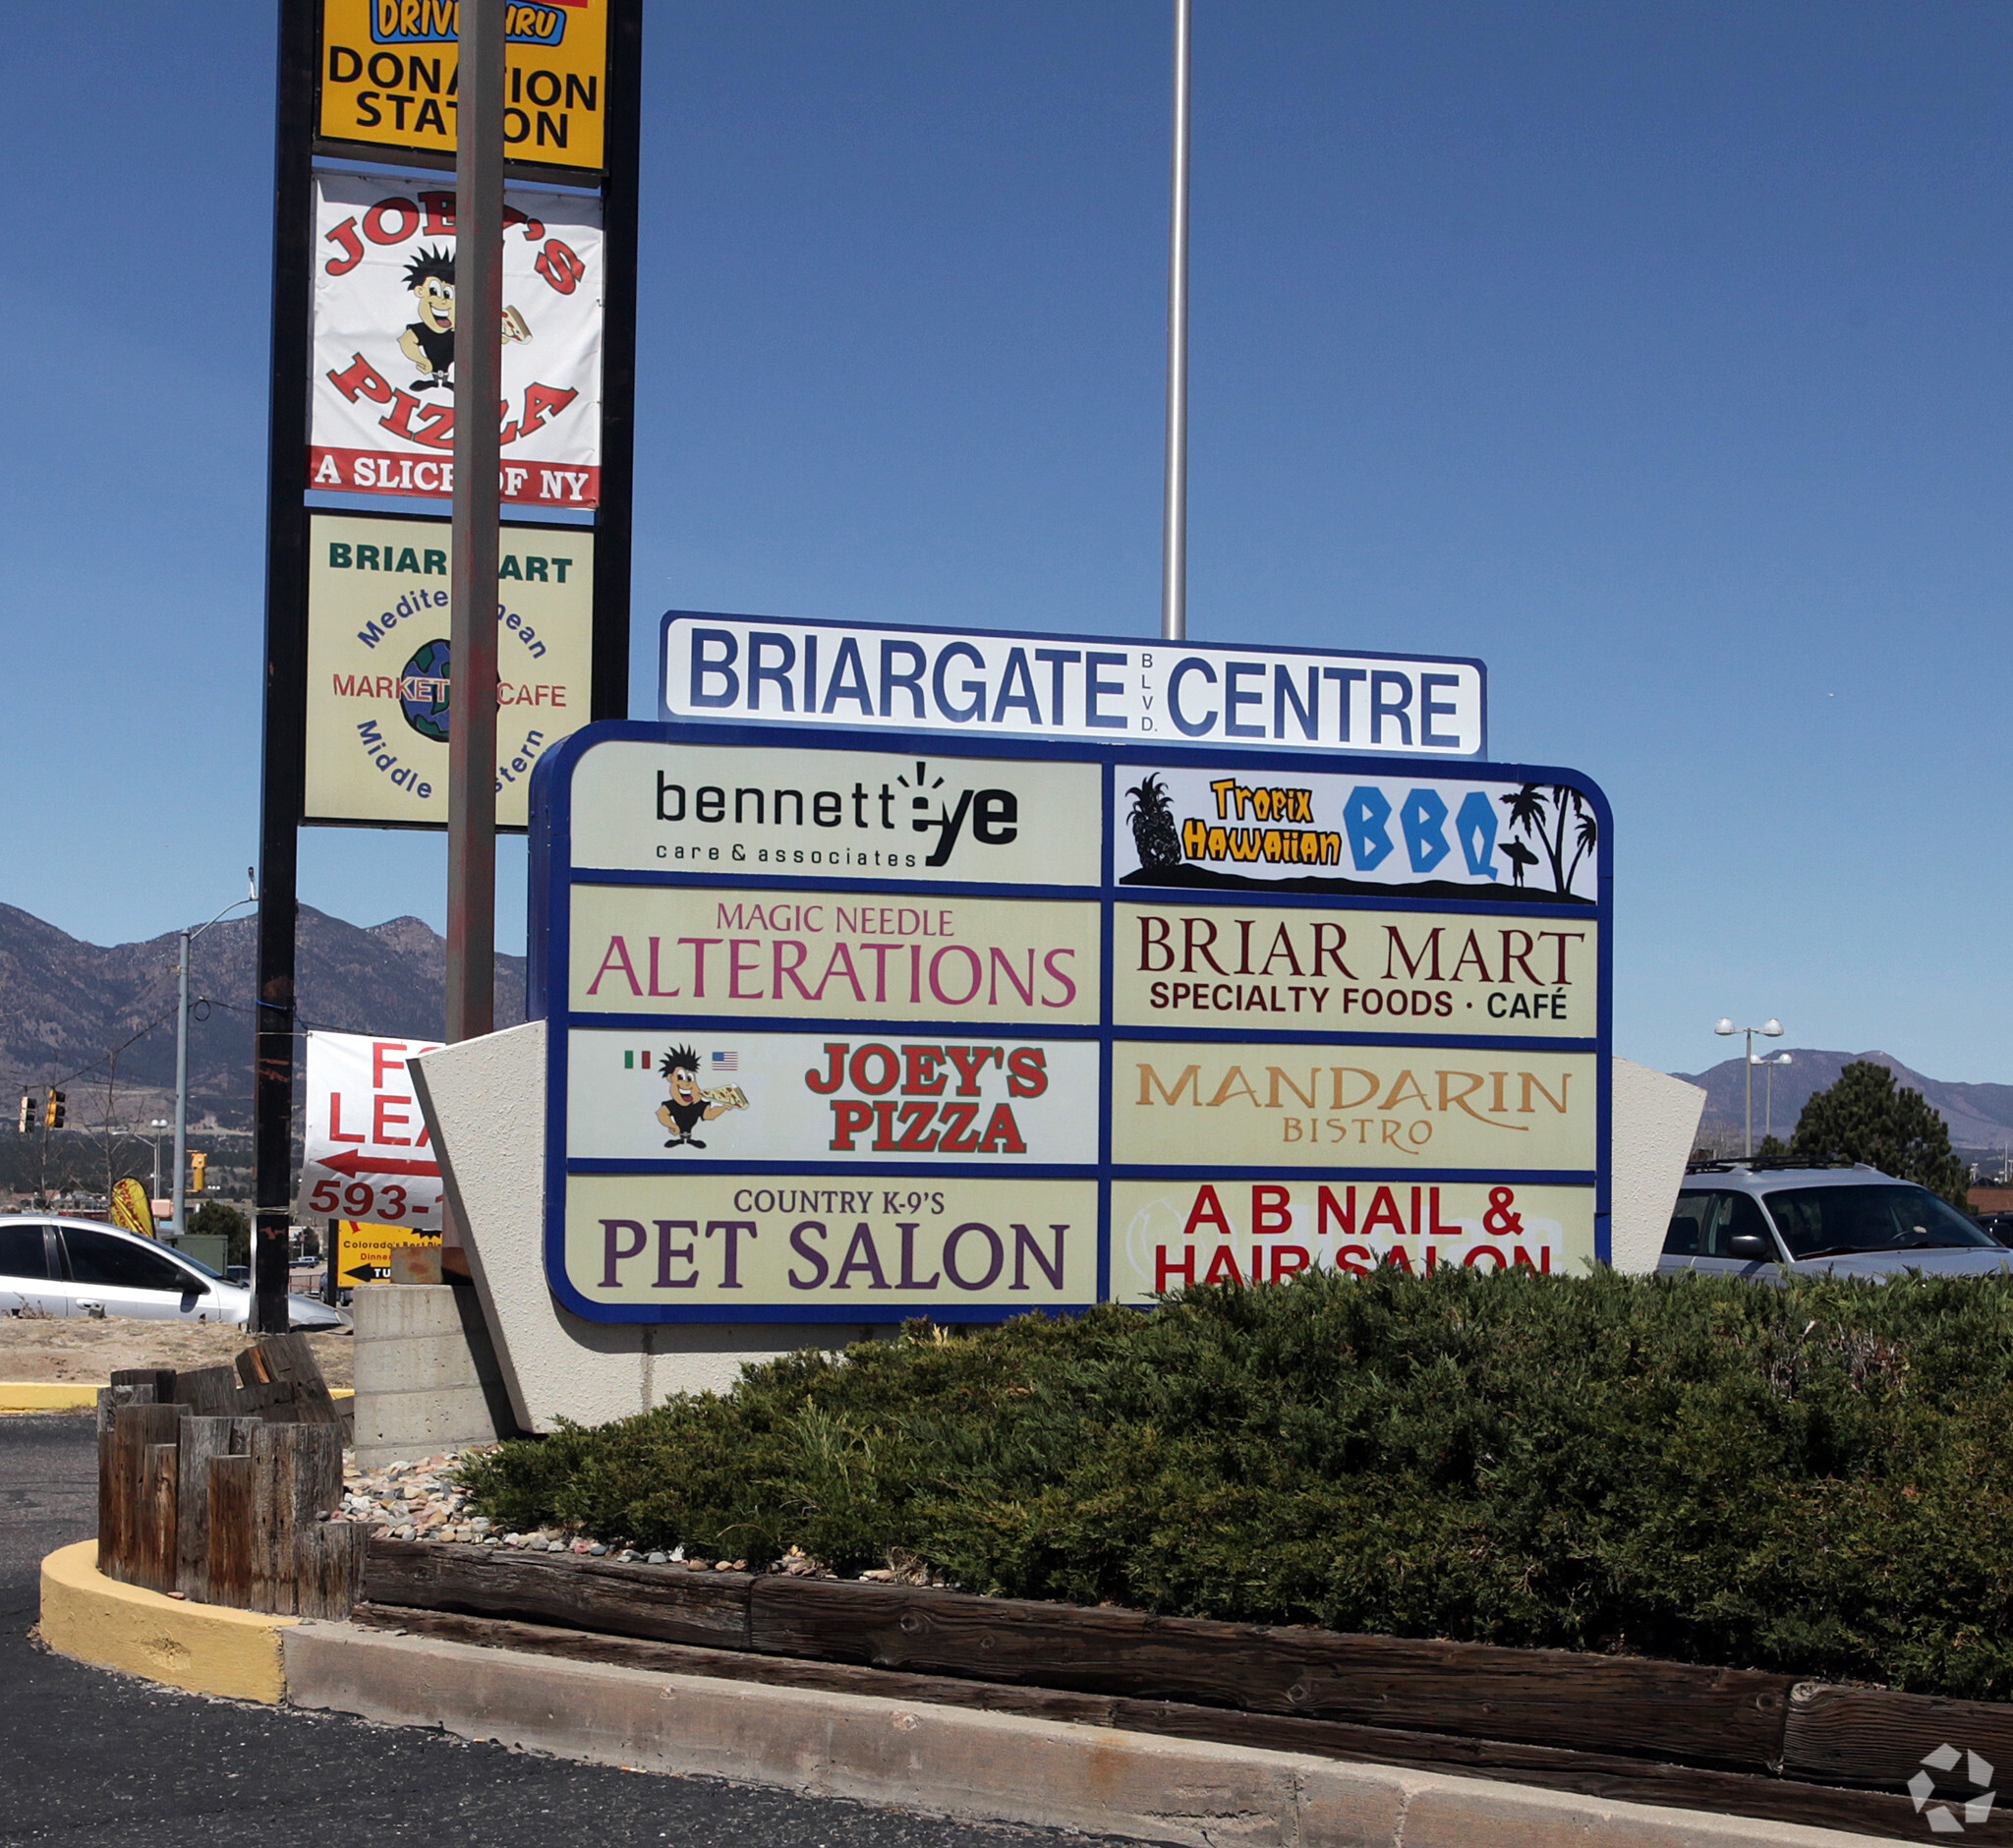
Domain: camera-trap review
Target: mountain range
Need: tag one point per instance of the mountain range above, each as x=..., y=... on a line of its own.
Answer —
x=66, y=1004
x=1979, y=1116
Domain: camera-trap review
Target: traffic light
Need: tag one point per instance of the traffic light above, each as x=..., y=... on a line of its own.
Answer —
x=52, y=1111
x=199, y=1164
x=29, y=1113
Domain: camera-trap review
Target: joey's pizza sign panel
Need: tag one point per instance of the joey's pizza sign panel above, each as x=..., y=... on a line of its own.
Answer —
x=853, y=1027
x=382, y=387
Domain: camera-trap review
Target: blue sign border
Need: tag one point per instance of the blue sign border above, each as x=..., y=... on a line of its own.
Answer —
x=1137, y=742
x=553, y=874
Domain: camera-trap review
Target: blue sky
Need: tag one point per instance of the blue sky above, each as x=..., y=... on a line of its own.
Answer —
x=1658, y=356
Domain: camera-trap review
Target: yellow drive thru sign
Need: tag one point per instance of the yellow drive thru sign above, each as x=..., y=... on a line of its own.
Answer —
x=388, y=76
x=363, y=1251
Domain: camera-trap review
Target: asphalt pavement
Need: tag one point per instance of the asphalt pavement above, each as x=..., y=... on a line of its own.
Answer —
x=87, y=1757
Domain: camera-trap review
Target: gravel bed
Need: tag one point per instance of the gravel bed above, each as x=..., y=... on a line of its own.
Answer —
x=419, y=1501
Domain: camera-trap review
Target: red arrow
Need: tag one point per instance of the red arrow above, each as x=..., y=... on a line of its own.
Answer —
x=355, y=1162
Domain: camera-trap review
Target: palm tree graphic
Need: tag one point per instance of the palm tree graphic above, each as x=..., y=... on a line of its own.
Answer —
x=1527, y=806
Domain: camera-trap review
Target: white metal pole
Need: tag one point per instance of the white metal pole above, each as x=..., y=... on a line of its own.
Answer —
x=1173, y=582
x=1750, y=1031
x=175, y=1223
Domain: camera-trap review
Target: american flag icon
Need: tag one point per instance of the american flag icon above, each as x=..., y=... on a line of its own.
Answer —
x=726, y=1062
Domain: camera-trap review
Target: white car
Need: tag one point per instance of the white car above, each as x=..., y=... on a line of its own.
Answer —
x=81, y=1267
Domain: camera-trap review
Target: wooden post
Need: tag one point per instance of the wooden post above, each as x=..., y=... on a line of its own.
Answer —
x=151, y=1561
x=203, y=1440
x=111, y=1505
x=159, y=1379
x=135, y=1431
x=329, y=1568
x=289, y=1359
x=210, y=1392
x=230, y=1531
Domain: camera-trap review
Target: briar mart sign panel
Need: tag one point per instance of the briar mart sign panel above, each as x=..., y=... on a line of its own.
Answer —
x=1091, y=688
x=867, y=1027
x=383, y=394
x=389, y=76
x=381, y=674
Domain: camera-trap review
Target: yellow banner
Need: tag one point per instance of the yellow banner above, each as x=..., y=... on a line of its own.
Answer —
x=1167, y=1235
x=363, y=1251
x=132, y=1211
x=388, y=70
x=939, y=1245
x=1348, y=1106
x=1354, y=971
x=829, y=955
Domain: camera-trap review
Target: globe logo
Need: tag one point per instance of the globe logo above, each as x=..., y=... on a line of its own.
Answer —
x=423, y=691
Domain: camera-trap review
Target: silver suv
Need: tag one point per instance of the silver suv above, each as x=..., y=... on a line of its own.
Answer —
x=79, y=1267
x=1801, y=1218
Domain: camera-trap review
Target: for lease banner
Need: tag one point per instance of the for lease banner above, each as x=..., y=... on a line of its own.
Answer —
x=381, y=674
x=1167, y=1235
x=829, y=1248
x=383, y=383
x=367, y=1154
x=833, y=955
x=1340, y=1106
x=808, y=1097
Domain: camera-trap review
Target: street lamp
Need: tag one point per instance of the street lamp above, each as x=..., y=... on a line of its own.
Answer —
x=177, y=1224
x=1768, y=1066
x=1771, y=1029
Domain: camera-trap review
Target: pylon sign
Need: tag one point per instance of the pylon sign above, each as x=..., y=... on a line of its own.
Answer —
x=858, y=1026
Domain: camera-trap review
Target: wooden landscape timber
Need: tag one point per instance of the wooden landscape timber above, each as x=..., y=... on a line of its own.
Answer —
x=215, y=1484
x=1692, y=1737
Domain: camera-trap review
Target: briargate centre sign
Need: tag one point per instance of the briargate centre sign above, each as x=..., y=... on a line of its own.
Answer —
x=860, y=1026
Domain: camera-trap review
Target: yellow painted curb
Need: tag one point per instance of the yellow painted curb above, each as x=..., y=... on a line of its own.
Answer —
x=43, y=1394
x=202, y=1647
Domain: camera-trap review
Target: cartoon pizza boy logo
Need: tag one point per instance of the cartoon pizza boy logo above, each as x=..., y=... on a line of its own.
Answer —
x=429, y=342
x=688, y=1106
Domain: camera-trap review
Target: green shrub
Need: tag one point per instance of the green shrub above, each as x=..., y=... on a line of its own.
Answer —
x=1813, y=1479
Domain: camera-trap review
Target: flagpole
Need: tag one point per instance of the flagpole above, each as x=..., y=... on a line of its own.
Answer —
x=1174, y=584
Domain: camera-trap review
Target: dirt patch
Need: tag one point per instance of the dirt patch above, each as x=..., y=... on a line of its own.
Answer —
x=64, y=1350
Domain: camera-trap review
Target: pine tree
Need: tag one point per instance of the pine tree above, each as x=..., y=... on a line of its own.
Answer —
x=1865, y=1118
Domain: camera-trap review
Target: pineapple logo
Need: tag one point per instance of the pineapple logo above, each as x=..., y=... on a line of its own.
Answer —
x=1152, y=822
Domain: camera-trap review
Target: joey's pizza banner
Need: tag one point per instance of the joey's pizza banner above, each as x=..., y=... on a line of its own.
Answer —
x=383, y=398
x=808, y=1097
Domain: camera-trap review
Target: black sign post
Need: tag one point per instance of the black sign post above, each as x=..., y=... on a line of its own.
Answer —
x=282, y=790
